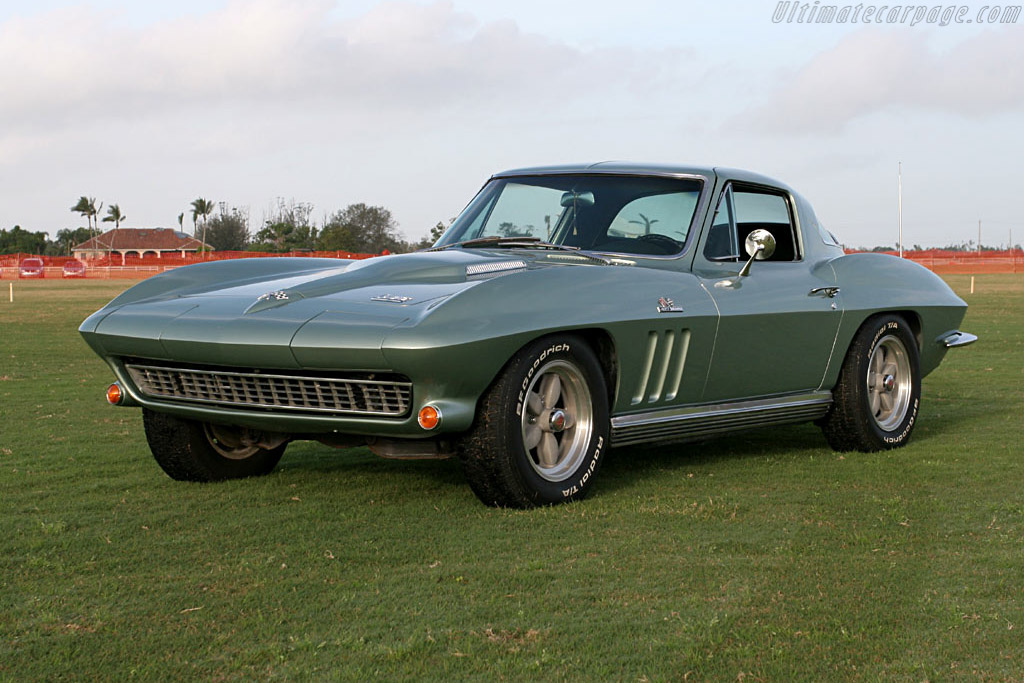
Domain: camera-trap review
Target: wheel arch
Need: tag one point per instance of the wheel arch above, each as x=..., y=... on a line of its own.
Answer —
x=913, y=319
x=603, y=346
x=599, y=341
x=848, y=333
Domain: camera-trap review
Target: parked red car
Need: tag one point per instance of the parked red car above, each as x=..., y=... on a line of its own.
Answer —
x=31, y=267
x=74, y=268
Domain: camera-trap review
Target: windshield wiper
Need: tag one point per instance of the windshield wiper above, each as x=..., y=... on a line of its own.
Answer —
x=522, y=243
x=493, y=241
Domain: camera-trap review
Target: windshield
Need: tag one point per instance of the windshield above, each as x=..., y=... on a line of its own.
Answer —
x=640, y=215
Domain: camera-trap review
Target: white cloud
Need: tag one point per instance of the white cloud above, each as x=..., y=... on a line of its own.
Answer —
x=74, y=62
x=875, y=71
x=64, y=66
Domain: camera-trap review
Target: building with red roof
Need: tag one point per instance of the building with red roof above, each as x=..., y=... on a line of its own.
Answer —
x=140, y=242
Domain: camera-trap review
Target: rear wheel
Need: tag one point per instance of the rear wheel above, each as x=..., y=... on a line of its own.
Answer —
x=541, y=429
x=196, y=451
x=876, y=400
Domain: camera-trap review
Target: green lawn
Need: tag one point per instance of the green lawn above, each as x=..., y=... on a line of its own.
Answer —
x=763, y=555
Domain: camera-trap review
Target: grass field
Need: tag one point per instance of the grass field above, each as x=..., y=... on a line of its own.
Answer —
x=763, y=555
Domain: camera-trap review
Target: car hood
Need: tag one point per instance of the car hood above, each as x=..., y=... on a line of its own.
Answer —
x=319, y=313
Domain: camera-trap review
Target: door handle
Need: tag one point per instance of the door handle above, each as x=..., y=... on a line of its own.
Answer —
x=830, y=292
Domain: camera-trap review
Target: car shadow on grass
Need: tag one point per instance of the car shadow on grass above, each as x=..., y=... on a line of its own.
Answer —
x=627, y=466
x=309, y=457
x=623, y=468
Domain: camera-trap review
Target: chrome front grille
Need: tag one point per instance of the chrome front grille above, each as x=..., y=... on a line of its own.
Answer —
x=298, y=393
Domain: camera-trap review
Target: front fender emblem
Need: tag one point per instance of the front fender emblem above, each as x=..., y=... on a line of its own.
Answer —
x=391, y=299
x=273, y=299
x=666, y=305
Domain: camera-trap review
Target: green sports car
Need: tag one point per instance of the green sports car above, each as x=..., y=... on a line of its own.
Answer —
x=566, y=311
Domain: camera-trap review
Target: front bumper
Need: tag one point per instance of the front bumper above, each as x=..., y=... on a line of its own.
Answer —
x=956, y=338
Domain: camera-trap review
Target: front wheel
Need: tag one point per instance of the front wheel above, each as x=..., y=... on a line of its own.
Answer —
x=876, y=400
x=541, y=429
x=196, y=451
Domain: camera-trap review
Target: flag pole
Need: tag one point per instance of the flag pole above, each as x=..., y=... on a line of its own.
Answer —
x=899, y=192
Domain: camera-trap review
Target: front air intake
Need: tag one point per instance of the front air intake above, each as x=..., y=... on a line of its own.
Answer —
x=279, y=391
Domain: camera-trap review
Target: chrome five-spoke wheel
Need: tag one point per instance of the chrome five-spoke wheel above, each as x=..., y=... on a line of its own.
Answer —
x=889, y=382
x=557, y=420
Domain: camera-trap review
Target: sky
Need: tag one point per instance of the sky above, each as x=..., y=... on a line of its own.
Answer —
x=412, y=105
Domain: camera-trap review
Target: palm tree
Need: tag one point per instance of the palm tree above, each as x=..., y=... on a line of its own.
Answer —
x=114, y=216
x=647, y=223
x=181, y=217
x=87, y=208
x=94, y=211
x=201, y=207
x=82, y=209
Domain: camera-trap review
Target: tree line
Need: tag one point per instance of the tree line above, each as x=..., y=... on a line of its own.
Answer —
x=288, y=226
x=358, y=228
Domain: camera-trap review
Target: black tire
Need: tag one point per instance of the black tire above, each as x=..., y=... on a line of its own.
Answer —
x=877, y=397
x=195, y=451
x=522, y=452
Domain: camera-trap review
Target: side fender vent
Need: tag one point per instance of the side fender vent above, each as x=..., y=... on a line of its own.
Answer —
x=664, y=361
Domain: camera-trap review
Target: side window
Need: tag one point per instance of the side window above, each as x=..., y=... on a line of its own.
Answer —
x=746, y=210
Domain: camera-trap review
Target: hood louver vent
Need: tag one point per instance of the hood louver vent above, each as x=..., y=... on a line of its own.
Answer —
x=488, y=269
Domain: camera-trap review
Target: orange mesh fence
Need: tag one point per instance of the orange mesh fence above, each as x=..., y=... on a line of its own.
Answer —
x=114, y=266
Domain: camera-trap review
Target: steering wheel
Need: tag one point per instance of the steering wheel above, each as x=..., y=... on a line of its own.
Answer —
x=666, y=243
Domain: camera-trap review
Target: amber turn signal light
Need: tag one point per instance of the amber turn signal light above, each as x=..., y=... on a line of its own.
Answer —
x=114, y=394
x=429, y=417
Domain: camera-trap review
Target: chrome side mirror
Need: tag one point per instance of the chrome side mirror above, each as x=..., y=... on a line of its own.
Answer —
x=760, y=245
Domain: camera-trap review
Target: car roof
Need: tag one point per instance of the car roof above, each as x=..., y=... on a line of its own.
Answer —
x=632, y=168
